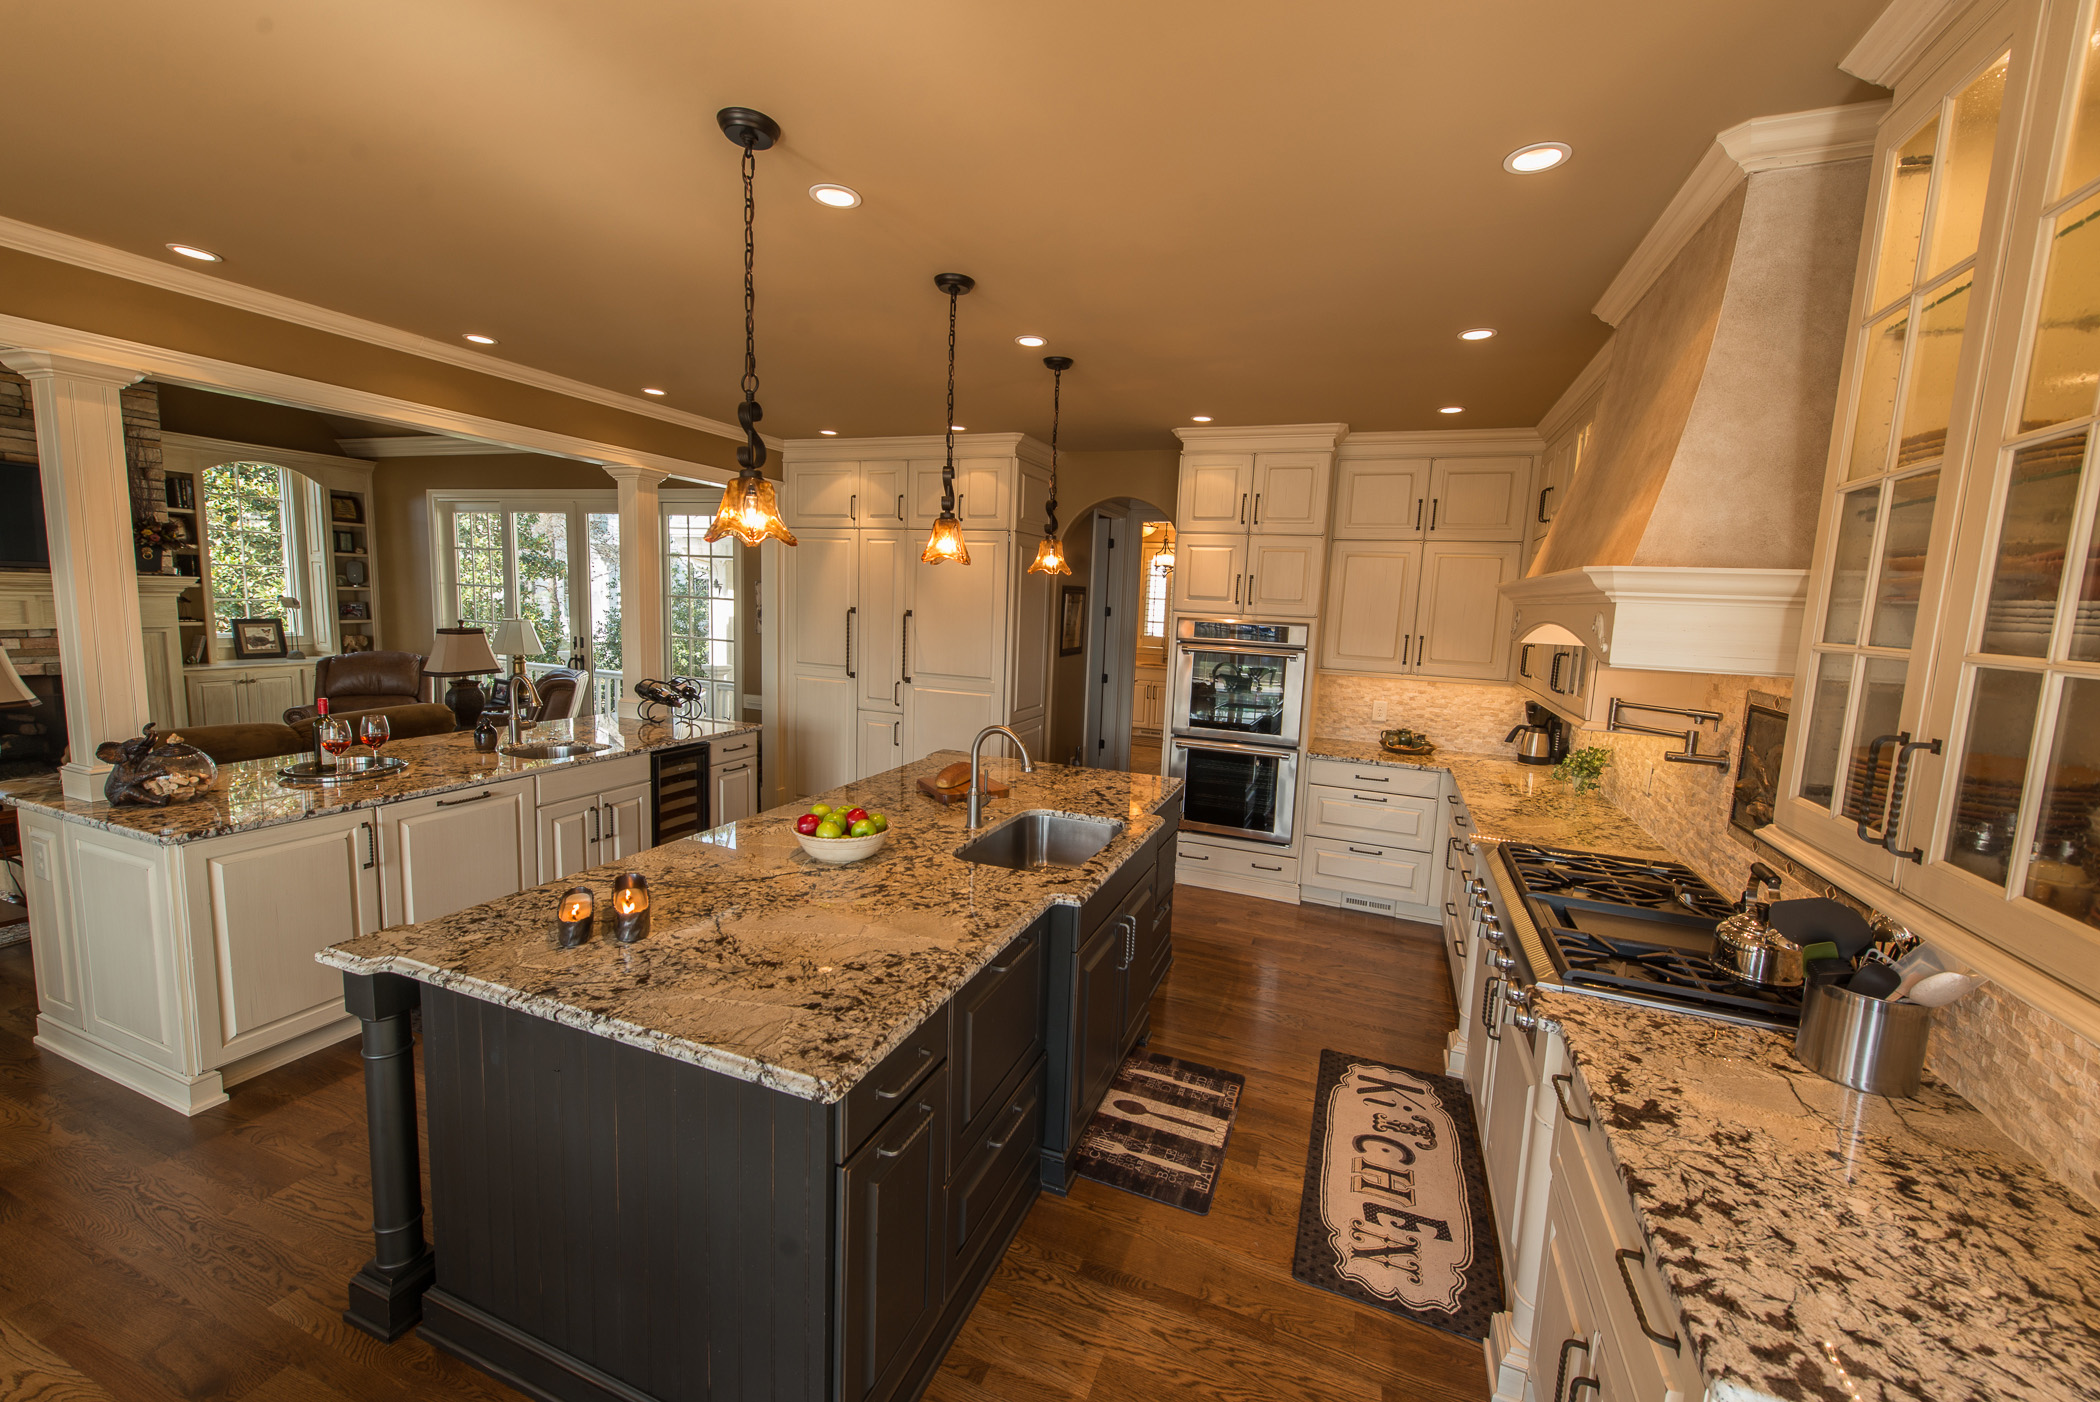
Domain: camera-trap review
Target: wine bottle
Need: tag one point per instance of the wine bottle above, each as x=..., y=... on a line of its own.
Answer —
x=322, y=763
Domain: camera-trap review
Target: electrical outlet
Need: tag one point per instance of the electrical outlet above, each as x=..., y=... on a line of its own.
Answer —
x=1378, y=710
x=40, y=862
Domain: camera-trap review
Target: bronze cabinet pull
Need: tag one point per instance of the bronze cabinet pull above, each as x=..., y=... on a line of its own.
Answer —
x=1432, y=513
x=1874, y=754
x=371, y=846
x=1020, y=1108
x=1543, y=492
x=904, y=647
x=1899, y=780
x=1564, y=1092
x=1560, y=1381
x=455, y=802
x=1640, y=1316
x=1257, y=508
x=926, y=1118
x=849, y=640
x=924, y=1052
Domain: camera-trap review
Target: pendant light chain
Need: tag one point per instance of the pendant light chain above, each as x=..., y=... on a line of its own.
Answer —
x=948, y=469
x=750, y=296
x=1057, y=385
x=750, y=510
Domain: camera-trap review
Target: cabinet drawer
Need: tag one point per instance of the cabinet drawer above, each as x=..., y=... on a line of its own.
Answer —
x=877, y=1097
x=1388, y=820
x=998, y=1026
x=733, y=747
x=1401, y=873
x=576, y=780
x=1193, y=857
x=1005, y=1153
x=1375, y=778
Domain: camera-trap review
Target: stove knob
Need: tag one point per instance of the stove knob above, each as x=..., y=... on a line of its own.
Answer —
x=1525, y=1022
x=1502, y=962
x=1517, y=997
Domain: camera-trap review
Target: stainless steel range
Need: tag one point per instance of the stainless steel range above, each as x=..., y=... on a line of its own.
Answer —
x=1638, y=931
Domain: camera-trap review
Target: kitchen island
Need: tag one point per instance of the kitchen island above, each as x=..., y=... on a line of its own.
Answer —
x=174, y=946
x=775, y=1147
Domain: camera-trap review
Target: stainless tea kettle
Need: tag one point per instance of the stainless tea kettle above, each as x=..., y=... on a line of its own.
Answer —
x=1534, y=744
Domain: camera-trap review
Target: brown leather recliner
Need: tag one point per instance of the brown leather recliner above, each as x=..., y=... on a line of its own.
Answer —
x=560, y=692
x=364, y=681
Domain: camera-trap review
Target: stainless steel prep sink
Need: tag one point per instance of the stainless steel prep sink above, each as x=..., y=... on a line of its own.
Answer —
x=1040, y=838
x=552, y=749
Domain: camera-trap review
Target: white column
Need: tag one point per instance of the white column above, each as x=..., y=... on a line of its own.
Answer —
x=94, y=574
x=641, y=577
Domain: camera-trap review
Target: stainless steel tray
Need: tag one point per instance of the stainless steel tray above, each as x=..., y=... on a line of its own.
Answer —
x=306, y=774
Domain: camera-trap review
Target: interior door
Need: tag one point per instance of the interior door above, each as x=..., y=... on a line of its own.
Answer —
x=1381, y=498
x=1370, y=625
x=822, y=494
x=1290, y=493
x=878, y=620
x=1210, y=573
x=817, y=707
x=1464, y=625
x=1283, y=576
x=1479, y=498
x=1215, y=492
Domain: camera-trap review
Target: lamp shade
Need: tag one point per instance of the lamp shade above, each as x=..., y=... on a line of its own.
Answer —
x=515, y=637
x=461, y=652
x=13, y=690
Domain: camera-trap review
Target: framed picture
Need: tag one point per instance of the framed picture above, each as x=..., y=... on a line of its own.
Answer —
x=354, y=610
x=258, y=637
x=349, y=509
x=345, y=543
x=1071, y=621
x=1755, y=801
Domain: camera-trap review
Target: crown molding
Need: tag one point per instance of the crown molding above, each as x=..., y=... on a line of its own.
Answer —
x=1898, y=37
x=1263, y=437
x=231, y=450
x=133, y=267
x=203, y=372
x=1761, y=144
x=419, y=445
x=918, y=445
x=1444, y=442
x=1577, y=396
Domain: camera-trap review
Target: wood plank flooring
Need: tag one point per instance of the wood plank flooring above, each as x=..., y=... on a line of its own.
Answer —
x=147, y=1256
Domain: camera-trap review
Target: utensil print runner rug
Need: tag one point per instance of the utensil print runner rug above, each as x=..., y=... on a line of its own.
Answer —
x=1161, y=1131
x=1396, y=1210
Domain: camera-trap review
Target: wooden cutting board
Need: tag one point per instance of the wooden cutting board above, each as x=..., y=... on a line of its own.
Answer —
x=988, y=786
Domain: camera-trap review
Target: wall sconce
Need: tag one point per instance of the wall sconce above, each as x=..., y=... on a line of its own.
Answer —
x=630, y=900
x=572, y=918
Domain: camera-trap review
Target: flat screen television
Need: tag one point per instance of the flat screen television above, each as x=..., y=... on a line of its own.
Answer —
x=22, y=542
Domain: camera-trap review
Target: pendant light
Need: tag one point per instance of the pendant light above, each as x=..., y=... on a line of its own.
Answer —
x=1050, y=555
x=749, y=511
x=946, y=542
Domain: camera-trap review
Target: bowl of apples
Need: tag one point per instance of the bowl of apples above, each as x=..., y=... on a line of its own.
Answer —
x=841, y=835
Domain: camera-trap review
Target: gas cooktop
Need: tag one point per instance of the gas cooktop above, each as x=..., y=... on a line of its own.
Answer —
x=1640, y=932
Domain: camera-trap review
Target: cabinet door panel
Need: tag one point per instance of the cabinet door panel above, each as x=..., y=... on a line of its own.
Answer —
x=1283, y=576
x=882, y=494
x=818, y=704
x=998, y=1026
x=1479, y=498
x=625, y=825
x=821, y=494
x=894, y=1276
x=1099, y=984
x=1381, y=498
x=566, y=840
x=878, y=620
x=1463, y=630
x=459, y=849
x=734, y=791
x=215, y=700
x=982, y=498
x=881, y=741
x=1290, y=493
x=1389, y=820
x=959, y=616
x=1215, y=488
x=1210, y=573
x=1133, y=930
x=1370, y=619
x=274, y=691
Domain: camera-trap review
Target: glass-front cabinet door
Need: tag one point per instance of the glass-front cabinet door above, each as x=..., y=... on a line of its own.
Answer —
x=2005, y=830
x=1910, y=395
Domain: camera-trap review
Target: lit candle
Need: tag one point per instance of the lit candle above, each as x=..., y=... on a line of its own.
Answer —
x=572, y=917
x=630, y=907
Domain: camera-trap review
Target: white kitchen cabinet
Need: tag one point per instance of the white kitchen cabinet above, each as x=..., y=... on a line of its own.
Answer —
x=1210, y=573
x=1216, y=489
x=591, y=814
x=885, y=495
x=1381, y=498
x=1463, y=622
x=452, y=850
x=568, y=834
x=1479, y=498
x=1290, y=493
x=1283, y=575
x=1148, y=708
x=219, y=695
x=956, y=667
x=881, y=741
x=817, y=715
x=732, y=788
x=822, y=494
x=984, y=494
x=885, y=561
x=1373, y=838
x=1370, y=620
x=626, y=822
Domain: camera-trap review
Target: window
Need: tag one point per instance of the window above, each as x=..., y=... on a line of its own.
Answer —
x=700, y=607
x=1158, y=555
x=254, y=514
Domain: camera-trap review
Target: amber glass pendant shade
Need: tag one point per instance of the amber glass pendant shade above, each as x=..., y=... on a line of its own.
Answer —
x=750, y=513
x=1049, y=559
x=945, y=546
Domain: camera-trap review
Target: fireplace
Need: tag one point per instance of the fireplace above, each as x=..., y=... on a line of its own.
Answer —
x=33, y=738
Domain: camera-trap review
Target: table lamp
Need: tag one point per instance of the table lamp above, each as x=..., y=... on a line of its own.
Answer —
x=462, y=653
x=516, y=639
x=13, y=690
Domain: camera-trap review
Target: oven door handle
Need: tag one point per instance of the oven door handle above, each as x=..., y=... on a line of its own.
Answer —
x=1281, y=752
x=1278, y=650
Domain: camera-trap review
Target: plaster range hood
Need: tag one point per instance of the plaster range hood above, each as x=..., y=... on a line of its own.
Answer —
x=1668, y=618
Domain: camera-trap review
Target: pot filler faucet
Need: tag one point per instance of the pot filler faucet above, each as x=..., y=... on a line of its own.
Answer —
x=977, y=797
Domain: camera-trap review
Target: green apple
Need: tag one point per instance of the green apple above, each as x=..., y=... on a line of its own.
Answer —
x=878, y=822
x=830, y=829
x=864, y=828
x=820, y=809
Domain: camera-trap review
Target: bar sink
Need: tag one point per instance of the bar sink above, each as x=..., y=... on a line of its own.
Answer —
x=1039, y=838
x=553, y=749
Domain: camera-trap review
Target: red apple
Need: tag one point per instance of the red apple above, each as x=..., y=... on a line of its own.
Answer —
x=854, y=815
x=807, y=824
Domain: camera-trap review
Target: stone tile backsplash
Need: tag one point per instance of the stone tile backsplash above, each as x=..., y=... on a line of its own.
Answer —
x=1456, y=715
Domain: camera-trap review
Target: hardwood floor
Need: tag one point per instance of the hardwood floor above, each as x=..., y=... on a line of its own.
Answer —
x=147, y=1256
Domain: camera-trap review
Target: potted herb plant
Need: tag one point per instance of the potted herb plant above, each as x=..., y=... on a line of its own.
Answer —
x=1581, y=769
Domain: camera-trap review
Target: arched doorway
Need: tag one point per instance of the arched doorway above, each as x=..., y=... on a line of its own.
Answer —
x=1101, y=711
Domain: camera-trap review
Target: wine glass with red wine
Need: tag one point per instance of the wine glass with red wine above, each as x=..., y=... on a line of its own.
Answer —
x=375, y=731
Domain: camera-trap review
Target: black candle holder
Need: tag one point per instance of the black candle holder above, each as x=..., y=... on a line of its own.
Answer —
x=630, y=903
x=572, y=928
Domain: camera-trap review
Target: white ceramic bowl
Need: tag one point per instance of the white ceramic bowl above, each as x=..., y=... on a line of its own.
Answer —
x=840, y=850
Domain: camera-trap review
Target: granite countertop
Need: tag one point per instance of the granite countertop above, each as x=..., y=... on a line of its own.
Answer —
x=1938, y=1260
x=769, y=966
x=1512, y=802
x=249, y=795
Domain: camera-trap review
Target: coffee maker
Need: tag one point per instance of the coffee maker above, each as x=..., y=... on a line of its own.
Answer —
x=1542, y=738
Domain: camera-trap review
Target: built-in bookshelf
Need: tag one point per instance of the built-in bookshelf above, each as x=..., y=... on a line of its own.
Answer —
x=179, y=490
x=350, y=540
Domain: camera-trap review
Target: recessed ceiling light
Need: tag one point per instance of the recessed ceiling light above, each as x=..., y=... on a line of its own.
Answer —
x=1542, y=155
x=190, y=250
x=657, y=392
x=1452, y=409
x=1200, y=418
x=829, y=432
x=480, y=340
x=1478, y=333
x=837, y=196
x=1028, y=340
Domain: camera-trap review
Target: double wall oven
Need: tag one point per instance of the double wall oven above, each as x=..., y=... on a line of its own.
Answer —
x=1237, y=703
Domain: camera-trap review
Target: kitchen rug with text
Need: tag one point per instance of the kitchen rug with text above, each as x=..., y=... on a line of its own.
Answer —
x=1396, y=1211
x=1161, y=1131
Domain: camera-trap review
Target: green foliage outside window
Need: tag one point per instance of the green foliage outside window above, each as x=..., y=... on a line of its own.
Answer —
x=244, y=509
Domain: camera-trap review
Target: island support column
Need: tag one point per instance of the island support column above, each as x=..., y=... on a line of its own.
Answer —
x=386, y=1297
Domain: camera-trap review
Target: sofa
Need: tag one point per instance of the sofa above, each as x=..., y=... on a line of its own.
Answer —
x=228, y=744
x=364, y=681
